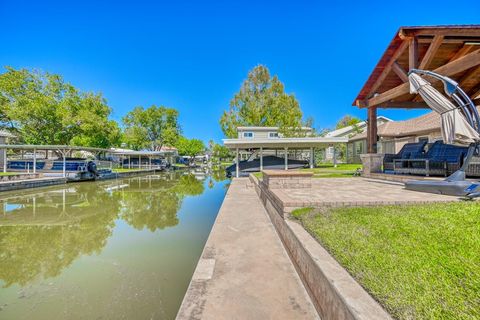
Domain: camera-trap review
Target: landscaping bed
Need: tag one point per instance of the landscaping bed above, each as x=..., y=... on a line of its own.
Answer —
x=419, y=262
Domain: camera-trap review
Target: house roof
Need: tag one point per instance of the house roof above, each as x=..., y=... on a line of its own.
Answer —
x=6, y=134
x=420, y=125
x=450, y=50
x=258, y=128
x=342, y=131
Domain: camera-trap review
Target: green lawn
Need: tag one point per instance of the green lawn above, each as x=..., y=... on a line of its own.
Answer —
x=9, y=173
x=419, y=262
x=126, y=169
x=329, y=171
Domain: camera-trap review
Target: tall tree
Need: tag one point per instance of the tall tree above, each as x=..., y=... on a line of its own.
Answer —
x=262, y=101
x=151, y=128
x=190, y=147
x=346, y=121
x=41, y=108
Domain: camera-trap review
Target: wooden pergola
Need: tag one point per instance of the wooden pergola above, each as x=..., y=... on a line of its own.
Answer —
x=452, y=51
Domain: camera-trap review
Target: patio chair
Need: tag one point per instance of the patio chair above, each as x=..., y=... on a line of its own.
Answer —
x=409, y=150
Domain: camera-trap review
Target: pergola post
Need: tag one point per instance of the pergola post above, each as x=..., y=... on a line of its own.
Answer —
x=139, y=161
x=34, y=160
x=237, y=164
x=372, y=130
x=312, y=158
x=150, y=162
x=129, y=166
x=261, y=158
x=286, y=158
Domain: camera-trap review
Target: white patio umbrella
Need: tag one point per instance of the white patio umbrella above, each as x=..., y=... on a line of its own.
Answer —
x=455, y=128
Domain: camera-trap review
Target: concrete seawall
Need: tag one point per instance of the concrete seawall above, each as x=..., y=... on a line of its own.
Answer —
x=335, y=293
x=244, y=271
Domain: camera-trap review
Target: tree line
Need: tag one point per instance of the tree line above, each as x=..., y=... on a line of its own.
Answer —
x=42, y=108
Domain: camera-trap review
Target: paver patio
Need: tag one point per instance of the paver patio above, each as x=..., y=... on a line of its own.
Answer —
x=354, y=192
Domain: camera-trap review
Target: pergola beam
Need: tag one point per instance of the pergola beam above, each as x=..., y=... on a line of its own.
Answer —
x=432, y=50
x=447, y=31
x=413, y=53
x=404, y=105
x=464, y=63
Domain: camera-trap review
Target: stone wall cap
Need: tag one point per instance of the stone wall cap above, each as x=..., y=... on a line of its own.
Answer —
x=287, y=173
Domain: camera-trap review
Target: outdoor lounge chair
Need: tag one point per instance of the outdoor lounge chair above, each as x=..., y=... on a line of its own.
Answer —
x=441, y=159
x=409, y=150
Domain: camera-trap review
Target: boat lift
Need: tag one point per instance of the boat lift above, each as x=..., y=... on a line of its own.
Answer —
x=456, y=184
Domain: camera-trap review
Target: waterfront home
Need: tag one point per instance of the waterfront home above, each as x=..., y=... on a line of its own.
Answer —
x=348, y=132
x=393, y=135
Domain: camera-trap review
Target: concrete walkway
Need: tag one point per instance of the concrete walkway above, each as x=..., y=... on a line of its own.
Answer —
x=244, y=271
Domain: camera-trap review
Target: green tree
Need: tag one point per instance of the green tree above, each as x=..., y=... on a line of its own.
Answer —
x=151, y=128
x=41, y=108
x=346, y=121
x=221, y=152
x=262, y=101
x=190, y=147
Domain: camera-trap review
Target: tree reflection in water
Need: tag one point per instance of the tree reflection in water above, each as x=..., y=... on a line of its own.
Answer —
x=41, y=233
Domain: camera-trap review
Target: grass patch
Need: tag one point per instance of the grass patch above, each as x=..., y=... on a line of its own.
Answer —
x=126, y=169
x=342, y=170
x=419, y=262
x=259, y=175
x=10, y=173
x=300, y=212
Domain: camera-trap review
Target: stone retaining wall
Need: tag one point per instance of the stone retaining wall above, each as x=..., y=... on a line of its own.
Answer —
x=284, y=179
x=20, y=176
x=335, y=293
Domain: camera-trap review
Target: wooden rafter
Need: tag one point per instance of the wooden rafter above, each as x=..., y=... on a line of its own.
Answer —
x=388, y=67
x=432, y=49
x=462, y=52
x=464, y=63
x=399, y=71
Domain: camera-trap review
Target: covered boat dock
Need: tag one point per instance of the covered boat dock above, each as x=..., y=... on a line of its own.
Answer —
x=285, y=144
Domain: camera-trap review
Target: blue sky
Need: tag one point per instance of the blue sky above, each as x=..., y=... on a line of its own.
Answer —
x=194, y=55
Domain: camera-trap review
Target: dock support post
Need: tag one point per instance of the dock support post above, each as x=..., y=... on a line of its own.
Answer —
x=34, y=160
x=64, y=164
x=286, y=158
x=237, y=164
x=5, y=160
x=312, y=158
x=334, y=157
x=261, y=158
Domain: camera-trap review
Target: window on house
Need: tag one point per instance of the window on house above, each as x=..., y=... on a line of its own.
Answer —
x=423, y=139
x=273, y=134
x=248, y=134
x=359, y=147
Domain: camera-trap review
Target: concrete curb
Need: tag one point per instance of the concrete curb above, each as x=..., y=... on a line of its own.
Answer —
x=335, y=293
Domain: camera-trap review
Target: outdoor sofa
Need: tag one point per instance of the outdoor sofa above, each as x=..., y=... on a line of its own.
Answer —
x=440, y=159
x=408, y=151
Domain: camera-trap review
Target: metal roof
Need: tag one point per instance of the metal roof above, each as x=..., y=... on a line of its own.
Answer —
x=307, y=142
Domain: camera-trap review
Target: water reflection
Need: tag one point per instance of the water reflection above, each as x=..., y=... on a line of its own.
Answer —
x=42, y=233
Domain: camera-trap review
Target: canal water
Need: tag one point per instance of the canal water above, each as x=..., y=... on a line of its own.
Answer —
x=117, y=249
